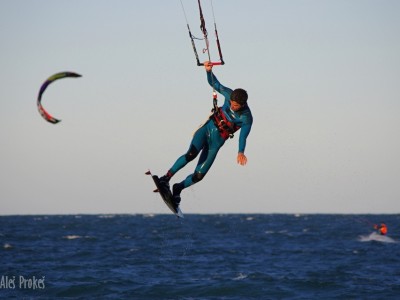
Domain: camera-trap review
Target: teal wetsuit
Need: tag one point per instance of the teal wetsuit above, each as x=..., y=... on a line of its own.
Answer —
x=208, y=138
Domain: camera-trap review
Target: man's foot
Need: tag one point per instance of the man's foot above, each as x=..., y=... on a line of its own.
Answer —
x=176, y=193
x=164, y=181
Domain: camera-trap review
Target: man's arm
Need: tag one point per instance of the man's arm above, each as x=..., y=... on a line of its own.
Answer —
x=244, y=132
x=214, y=82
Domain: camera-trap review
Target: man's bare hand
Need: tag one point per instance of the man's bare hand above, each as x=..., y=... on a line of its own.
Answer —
x=208, y=66
x=241, y=159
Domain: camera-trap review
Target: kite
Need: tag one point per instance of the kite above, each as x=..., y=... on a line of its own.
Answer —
x=44, y=86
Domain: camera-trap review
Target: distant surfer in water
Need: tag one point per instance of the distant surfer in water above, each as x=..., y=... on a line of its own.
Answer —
x=210, y=137
x=382, y=228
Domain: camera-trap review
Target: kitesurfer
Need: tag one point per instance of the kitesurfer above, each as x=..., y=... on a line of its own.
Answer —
x=382, y=228
x=210, y=137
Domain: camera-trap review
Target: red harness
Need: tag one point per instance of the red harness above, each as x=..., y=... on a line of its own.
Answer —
x=226, y=128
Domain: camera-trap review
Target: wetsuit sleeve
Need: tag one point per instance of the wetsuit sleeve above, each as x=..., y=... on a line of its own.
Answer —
x=223, y=90
x=244, y=133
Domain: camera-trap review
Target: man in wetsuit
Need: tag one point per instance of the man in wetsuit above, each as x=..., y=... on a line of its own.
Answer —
x=382, y=228
x=209, y=138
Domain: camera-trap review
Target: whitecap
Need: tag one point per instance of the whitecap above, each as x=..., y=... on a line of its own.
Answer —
x=72, y=237
x=7, y=246
x=240, y=276
x=376, y=237
x=149, y=216
x=106, y=216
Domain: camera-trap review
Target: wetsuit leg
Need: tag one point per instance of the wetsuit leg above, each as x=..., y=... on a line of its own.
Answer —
x=197, y=143
x=207, y=157
x=192, y=153
x=206, y=160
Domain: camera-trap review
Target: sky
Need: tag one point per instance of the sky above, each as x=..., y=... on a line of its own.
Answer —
x=323, y=79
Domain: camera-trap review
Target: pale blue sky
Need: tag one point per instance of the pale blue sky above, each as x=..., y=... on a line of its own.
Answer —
x=323, y=79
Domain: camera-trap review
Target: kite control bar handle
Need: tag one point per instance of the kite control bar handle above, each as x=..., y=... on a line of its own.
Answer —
x=218, y=63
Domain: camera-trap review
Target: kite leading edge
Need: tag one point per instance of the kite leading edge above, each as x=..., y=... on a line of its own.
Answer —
x=42, y=111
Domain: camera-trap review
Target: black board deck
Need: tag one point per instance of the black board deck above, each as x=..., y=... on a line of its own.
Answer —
x=166, y=195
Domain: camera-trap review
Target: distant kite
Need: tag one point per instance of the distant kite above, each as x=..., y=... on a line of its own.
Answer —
x=49, y=80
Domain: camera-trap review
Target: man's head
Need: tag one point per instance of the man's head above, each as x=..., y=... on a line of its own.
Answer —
x=238, y=99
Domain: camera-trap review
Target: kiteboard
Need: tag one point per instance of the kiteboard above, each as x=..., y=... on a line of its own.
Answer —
x=166, y=195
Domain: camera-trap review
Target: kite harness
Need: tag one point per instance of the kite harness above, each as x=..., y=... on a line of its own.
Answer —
x=226, y=128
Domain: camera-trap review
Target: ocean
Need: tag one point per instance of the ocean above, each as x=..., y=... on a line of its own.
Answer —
x=233, y=256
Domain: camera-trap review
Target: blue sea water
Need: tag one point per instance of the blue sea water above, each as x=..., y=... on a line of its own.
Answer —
x=263, y=256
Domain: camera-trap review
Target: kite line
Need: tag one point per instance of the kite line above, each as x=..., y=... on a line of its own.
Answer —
x=207, y=47
x=205, y=36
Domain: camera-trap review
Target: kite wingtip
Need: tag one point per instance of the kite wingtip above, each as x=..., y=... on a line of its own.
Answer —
x=54, y=121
